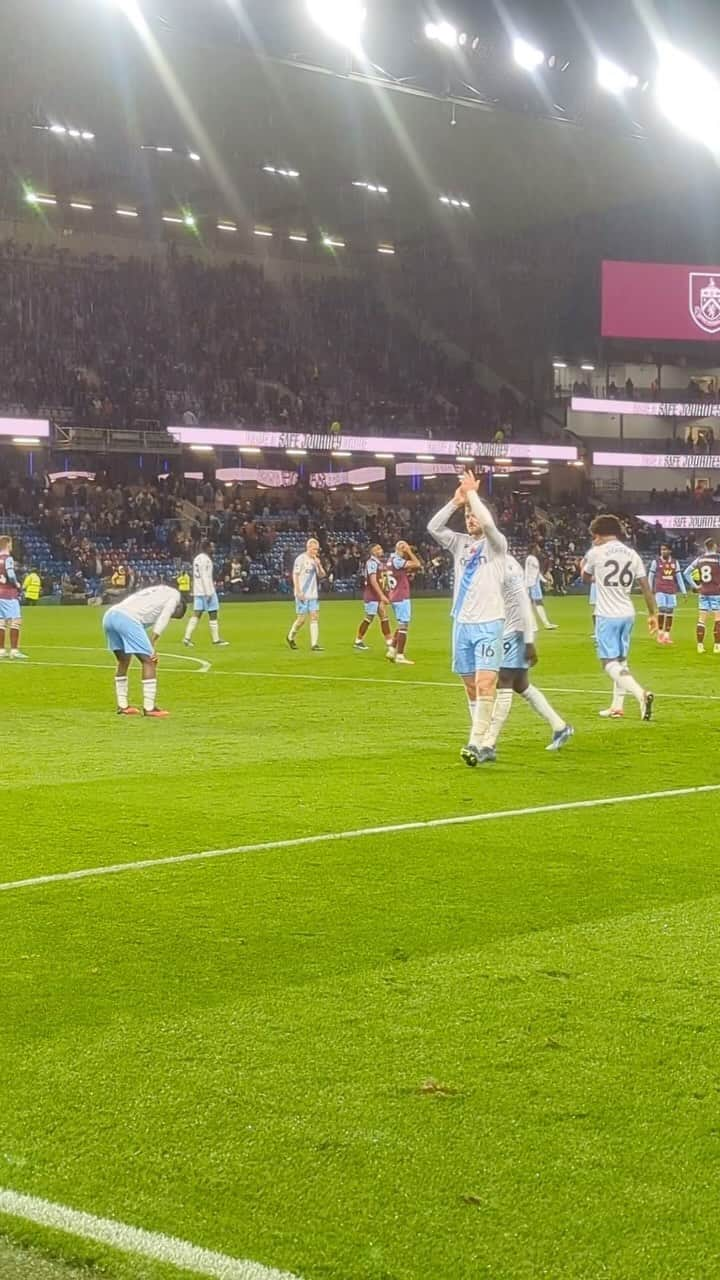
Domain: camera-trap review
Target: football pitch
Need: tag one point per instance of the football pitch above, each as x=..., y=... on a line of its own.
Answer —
x=473, y=1035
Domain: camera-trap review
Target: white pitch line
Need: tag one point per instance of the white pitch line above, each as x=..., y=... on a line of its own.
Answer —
x=401, y=683
x=133, y=1240
x=331, y=837
x=91, y=648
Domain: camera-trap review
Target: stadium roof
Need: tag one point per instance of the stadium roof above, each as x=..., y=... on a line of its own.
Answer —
x=190, y=81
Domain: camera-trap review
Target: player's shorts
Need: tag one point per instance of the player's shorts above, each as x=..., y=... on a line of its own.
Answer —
x=206, y=604
x=307, y=606
x=536, y=593
x=477, y=646
x=612, y=637
x=513, y=652
x=403, y=612
x=593, y=594
x=706, y=604
x=9, y=610
x=665, y=602
x=126, y=635
x=371, y=608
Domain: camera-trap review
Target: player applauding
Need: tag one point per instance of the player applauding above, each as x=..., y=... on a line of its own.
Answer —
x=704, y=577
x=478, y=609
x=307, y=573
x=374, y=598
x=666, y=579
x=616, y=568
x=396, y=581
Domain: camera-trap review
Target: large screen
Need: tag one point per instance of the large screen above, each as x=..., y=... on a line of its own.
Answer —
x=660, y=300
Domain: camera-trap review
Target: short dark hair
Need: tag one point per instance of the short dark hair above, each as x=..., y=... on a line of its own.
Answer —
x=710, y=544
x=606, y=527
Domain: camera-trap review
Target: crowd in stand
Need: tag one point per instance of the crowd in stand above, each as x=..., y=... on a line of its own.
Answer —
x=110, y=343
x=100, y=534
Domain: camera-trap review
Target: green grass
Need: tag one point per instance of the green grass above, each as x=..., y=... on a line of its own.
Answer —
x=484, y=1052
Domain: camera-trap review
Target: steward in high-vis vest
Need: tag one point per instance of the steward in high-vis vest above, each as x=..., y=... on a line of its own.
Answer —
x=32, y=587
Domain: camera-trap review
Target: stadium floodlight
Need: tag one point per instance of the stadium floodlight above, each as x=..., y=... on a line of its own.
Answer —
x=588, y=368
x=193, y=155
x=189, y=220
x=527, y=55
x=386, y=248
x=226, y=226
x=341, y=20
x=614, y=78
x=559, y=364
x=58, y=128
x=298, y=237
x=81, y=204
x=263, y=231
x=688, y=95
x=331, y=243
x=443, y=32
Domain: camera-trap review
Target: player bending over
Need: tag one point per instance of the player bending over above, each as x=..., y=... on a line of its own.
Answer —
x=703, y=576
x=374, y=598
x=10, y=590
x=665, y=578
x=615, y=568
x=204, y=597
x=534, y=583
x=307, y=573
x=518, y=655
x=478, y=609
x=124, y=626
x=396, y=581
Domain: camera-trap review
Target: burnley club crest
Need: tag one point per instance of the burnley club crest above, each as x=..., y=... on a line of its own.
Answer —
x=705, y=301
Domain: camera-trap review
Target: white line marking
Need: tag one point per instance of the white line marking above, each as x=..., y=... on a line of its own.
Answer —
x=146, y=1244
x=331, y=837
x=402, y=683
x=201, y=663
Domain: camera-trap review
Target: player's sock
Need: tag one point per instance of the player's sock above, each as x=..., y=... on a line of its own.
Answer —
x=386, y=629
x=192, y=623
x=481, y=721
x=625, y=681
x=662, y=623
x=542, y=615
x=363, y=628
x=14, y=637
x=215, y=630
x=121, y=691
x=618, y=699
x=2, y=638
x=716, y=633
x=149, y=688
x=500, y=713
x=669, y=619
x=399, y=641
x=700, y=632
x=314, y=633
x=539, y=703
